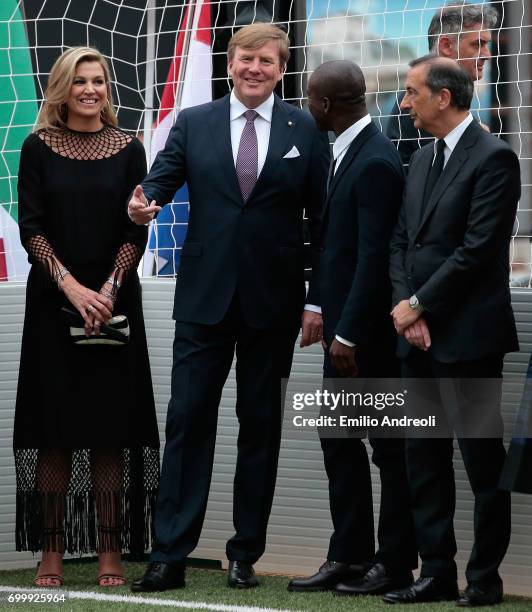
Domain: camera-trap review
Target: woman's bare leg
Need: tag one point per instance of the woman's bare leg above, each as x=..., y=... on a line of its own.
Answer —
x=53, y=476
x=108, y=481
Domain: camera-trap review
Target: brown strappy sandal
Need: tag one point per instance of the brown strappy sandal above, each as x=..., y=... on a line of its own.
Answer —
x=60, y=581
x=102, y=577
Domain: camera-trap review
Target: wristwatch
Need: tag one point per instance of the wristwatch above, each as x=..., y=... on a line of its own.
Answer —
x=415, y=305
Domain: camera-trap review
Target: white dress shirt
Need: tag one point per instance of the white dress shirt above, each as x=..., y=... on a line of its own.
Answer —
x=452, y=138
x=263, y=124
x=343, y=142
x=340, y=146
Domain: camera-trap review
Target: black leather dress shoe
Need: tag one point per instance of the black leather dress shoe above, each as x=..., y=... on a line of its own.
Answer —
x=241, y=575
x=479, y=594
x=327, y=577
x=376, y=581
x=160, y=576
x=429, y=588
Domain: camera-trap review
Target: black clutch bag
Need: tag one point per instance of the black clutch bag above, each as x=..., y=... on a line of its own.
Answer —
x=114, y=333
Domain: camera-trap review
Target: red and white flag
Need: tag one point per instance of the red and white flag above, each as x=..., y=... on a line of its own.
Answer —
x=193, y=85
x=189, y=83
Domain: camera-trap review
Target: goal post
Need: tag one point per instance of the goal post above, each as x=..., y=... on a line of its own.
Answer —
x=139, y=38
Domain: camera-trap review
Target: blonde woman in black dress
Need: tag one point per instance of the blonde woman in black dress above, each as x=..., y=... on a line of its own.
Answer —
x=85, y=440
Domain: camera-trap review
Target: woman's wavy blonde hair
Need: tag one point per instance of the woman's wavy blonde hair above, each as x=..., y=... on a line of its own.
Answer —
x=54, y=110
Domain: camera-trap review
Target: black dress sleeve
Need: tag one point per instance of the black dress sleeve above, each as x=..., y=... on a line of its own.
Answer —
x=135, y=237
x=32, y=213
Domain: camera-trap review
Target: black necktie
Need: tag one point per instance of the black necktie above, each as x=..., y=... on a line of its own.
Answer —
x=332, y=166
x=435, y=171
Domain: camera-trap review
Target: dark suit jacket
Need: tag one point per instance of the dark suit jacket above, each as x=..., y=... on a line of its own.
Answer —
x=454, y=254
x=360, y=212
x=517, y=472
x=254, y=249
x=401, y=131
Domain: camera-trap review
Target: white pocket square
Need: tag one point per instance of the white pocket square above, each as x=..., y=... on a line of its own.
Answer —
x=292, y=153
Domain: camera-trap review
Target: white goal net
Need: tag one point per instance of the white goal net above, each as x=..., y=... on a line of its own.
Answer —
x=169, y=54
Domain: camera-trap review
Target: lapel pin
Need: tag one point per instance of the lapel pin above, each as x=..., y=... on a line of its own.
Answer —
x=290, y=124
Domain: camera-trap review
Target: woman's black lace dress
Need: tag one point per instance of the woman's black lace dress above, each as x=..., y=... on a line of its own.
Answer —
x=85, y=439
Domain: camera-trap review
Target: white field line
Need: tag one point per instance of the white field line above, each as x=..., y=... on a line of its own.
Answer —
x=139, y=600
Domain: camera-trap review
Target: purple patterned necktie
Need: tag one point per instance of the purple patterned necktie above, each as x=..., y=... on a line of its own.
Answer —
x=247, y=160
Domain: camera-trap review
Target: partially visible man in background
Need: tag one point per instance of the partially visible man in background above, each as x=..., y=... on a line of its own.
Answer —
x=460, y=32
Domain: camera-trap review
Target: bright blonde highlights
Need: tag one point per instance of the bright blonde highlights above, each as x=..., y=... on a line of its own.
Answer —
x=54, y=111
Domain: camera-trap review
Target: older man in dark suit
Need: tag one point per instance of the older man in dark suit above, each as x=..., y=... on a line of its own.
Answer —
x=364, y=195
x=450, y=273
x=252, y=164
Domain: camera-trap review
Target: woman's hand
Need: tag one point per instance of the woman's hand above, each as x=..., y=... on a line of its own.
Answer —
x=106, y=292
x=94, y=307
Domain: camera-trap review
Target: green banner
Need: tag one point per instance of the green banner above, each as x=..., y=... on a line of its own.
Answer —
x=18, y=104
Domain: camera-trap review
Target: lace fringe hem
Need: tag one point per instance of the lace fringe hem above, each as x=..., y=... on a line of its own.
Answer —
x=80, y=531
x=85, y=500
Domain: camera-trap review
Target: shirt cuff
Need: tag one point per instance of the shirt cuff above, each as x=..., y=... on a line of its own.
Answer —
x=313, y=308
x=346, y=342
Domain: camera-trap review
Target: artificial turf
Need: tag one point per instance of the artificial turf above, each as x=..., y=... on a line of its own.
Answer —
x=209, y=586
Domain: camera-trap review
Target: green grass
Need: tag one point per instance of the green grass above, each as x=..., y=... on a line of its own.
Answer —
x=209, y=586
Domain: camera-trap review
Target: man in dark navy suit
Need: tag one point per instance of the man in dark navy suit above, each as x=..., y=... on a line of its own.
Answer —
x=252, y=164
x=364, y=195
x=449, y=267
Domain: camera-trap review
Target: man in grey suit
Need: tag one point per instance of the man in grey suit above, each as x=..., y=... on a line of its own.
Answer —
x=460, y=32
x=449, y=267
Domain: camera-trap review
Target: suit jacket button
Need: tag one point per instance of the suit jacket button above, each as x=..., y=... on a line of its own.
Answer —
x=418, y=245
